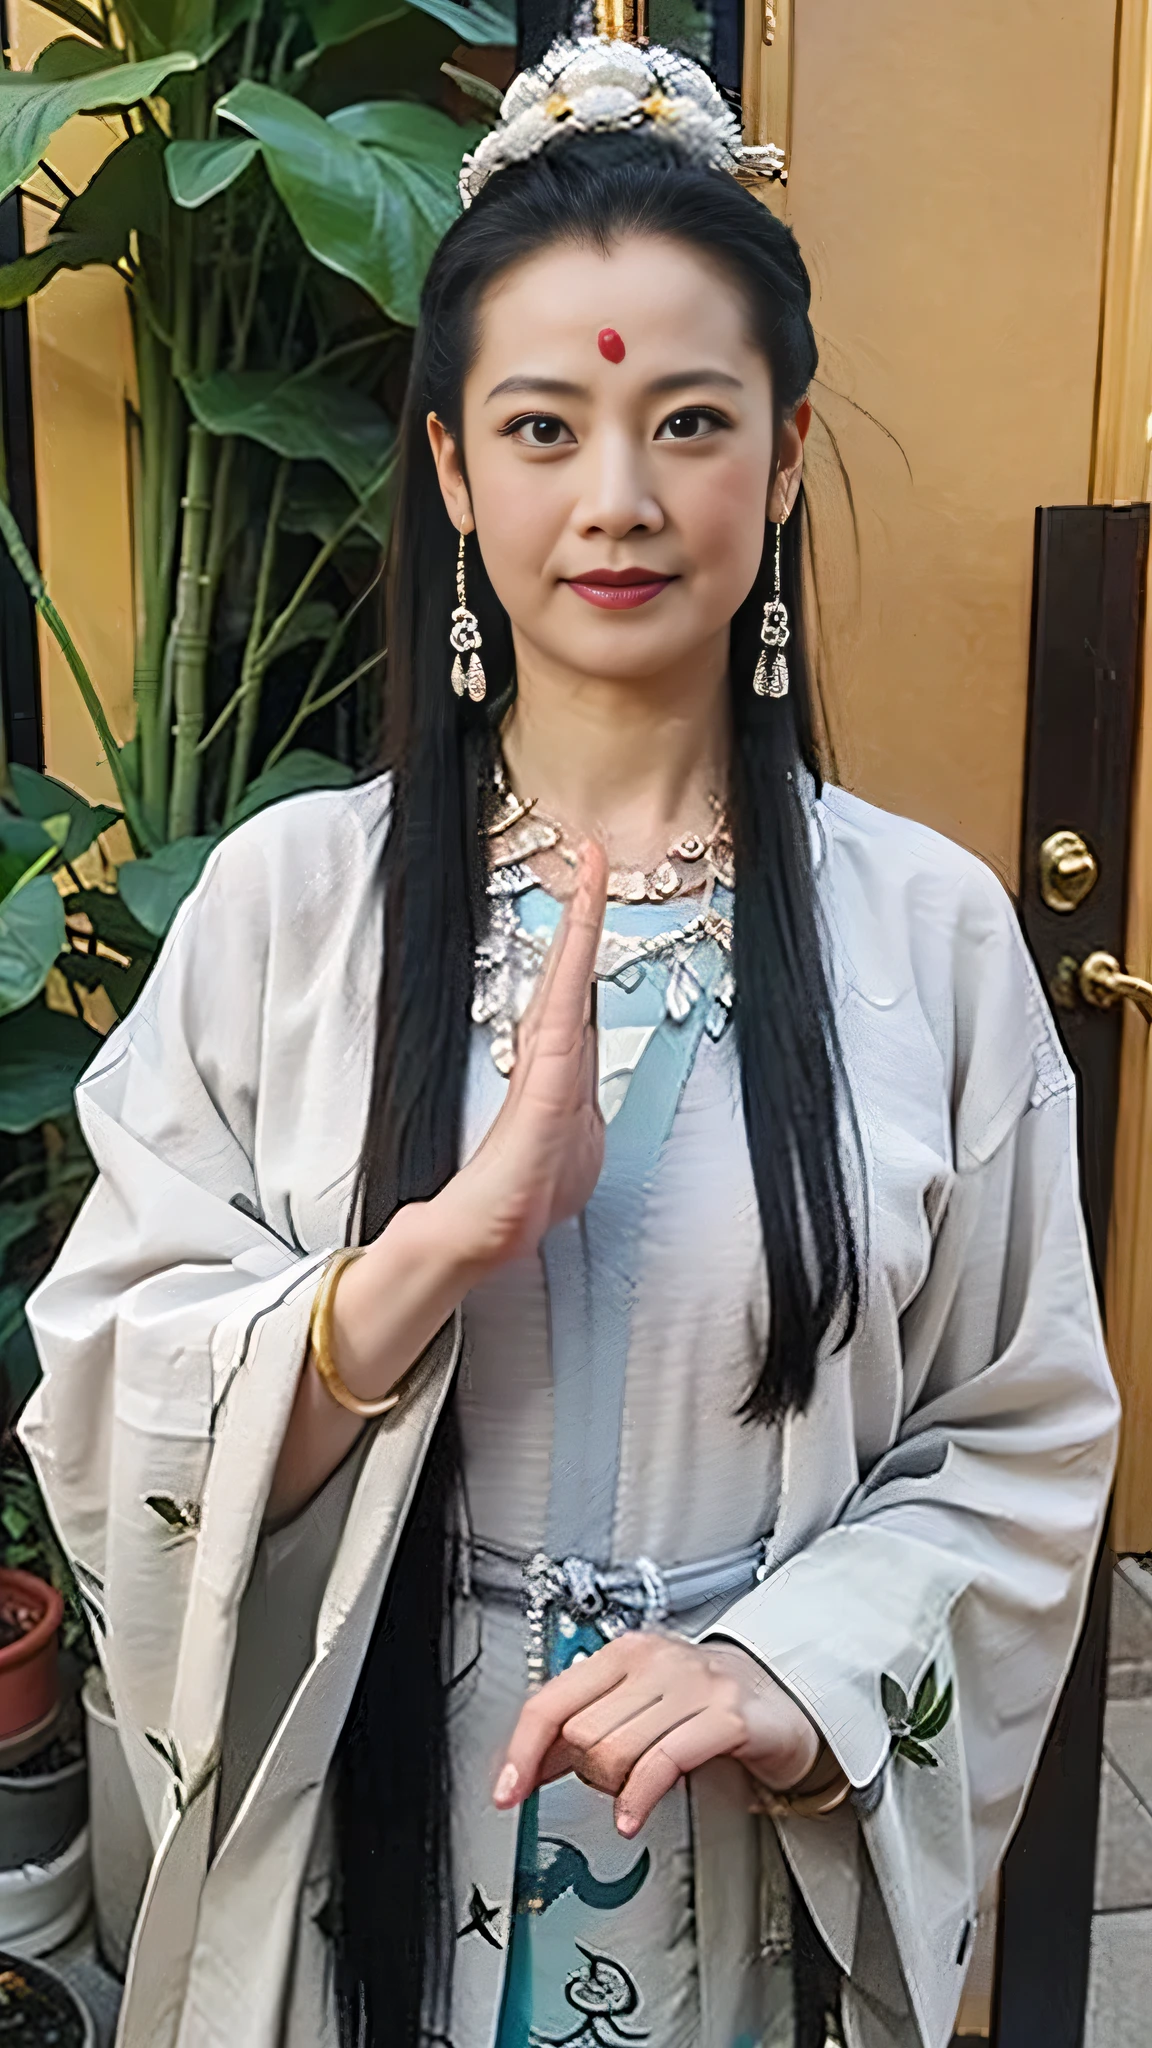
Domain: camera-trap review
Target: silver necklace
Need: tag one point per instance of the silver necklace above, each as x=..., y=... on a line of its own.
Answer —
x=509, y=959
x=518, y=829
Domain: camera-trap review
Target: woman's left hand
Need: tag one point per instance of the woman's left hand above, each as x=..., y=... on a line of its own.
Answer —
x=636, y=1716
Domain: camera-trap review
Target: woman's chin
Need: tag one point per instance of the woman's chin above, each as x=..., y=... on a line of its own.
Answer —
x=629, y=647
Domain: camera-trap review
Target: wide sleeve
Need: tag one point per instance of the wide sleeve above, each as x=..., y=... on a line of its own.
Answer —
x=963, y=1556
x=168, y=1296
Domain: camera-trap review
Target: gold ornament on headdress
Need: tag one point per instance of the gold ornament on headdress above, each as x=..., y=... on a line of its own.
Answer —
x=625, y=21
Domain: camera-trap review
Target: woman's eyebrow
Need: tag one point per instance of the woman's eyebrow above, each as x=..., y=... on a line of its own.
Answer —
x=681, y=380
x=552, y=387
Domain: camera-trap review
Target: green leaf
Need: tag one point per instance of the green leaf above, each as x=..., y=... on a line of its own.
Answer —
x=78, y=15
x=337, y=21
x=158, y=25
x=163, y=1745
x=316, y=502
x=68, y=57
x=26, y=275
x=480, y=24
x=42, y=1056
x=479, y=89
x=130, y=762
x=112, y=921
x=32, y=108
x=376, y=512
x=155, y=887
x=24, y=845
x=199, y=171
x=12, y=1299
x=90, y=971
x=31, y=935
x=400, y=59
x=417, y=144
x=894, y=1698
x=915, y=1753
x=311, y=622
x=925, y=1698
x=304, y=418
x=319, y=503
x=16, y=1522
x=295, y=773
x=935, y=1722
x=185, y=1520
x=16, y=1220
x=41, y=796
x=368, y=214
x=416, y=134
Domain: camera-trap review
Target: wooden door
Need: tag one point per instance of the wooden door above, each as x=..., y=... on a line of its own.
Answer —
x=1121, y=471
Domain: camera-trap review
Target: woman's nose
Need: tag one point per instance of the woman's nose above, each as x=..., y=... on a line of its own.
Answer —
x=617, y=498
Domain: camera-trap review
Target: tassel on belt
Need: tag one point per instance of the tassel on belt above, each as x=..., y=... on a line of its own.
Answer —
x=571, y=1591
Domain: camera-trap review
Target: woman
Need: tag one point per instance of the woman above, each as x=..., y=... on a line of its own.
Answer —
x=701, y=1447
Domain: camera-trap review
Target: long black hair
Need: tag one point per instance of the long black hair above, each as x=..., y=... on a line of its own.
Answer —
x=396, y=1928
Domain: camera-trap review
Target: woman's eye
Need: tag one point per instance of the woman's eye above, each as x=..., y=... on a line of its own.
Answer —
x=693, y=424
x=539, y=430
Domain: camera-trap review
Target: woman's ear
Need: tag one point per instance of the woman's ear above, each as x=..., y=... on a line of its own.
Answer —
x=453, y=489
x=786, y=481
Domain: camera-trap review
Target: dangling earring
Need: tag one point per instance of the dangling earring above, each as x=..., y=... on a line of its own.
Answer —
x=465, y=639
x=775, y=632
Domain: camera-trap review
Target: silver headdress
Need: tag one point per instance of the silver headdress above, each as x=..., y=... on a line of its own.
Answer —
x=598, y=85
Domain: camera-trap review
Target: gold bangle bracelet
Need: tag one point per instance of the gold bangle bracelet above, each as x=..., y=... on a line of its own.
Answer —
x=807, y=1801
x=320, y=1338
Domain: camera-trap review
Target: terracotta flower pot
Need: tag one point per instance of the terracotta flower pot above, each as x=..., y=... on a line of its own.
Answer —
x=29, y=1682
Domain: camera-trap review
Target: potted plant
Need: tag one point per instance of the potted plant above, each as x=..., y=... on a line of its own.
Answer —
x=30, y=1616
x=38, y=2009
x=44, y=1862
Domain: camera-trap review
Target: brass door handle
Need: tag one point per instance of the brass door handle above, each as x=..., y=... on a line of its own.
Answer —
x=1103, y=982
x=1068, y=871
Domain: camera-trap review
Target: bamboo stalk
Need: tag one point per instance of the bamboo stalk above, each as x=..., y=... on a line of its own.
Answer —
x=34, y=582
x=256, y=652
x=189, y=640
x=150, y=643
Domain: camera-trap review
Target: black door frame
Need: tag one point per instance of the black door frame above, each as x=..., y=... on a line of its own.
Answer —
x=1084, y=700
x=19, y=652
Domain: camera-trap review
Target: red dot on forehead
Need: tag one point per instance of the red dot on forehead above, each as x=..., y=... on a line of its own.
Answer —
x=610, y=345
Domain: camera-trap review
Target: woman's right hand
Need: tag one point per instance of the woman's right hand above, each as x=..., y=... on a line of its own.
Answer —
x=542, y=1157
x=538, y=1164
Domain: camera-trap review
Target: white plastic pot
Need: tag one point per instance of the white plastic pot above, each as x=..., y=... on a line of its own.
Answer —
x=121, y=1846
x=41, y=1904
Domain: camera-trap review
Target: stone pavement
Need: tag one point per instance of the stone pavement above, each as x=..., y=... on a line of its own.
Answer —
x=1120, y=1999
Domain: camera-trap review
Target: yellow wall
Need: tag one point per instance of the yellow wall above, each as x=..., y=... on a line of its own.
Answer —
x=948, y=187
x=81, y=380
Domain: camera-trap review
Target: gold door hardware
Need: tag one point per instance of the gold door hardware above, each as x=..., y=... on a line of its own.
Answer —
x=1103, y=982
x=1068, y=870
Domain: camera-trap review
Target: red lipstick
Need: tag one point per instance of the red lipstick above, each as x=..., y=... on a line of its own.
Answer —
x=619, y=590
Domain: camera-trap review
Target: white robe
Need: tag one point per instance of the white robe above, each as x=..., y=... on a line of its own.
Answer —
x=940, y=1501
